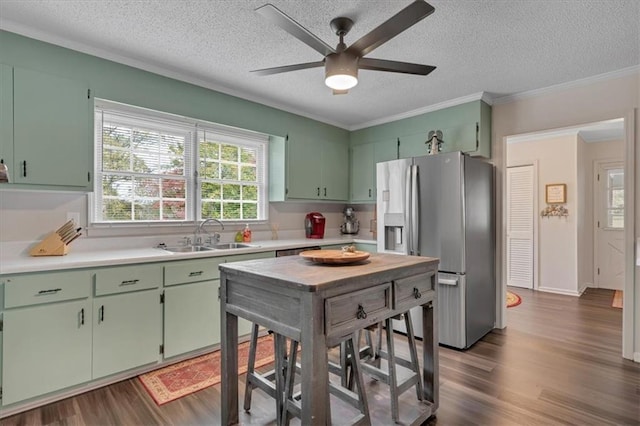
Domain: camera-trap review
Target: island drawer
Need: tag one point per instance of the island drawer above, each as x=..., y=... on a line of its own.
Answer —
x=34, y=289
x=413, y=291
x=191, y=271
x=128, y=278
x=349, y=312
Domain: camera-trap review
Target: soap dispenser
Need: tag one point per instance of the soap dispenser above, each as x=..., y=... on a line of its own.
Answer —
x=246, y=234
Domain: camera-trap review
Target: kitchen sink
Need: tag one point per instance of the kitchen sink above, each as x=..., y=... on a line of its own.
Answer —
x=227, y=246
x=187, y=249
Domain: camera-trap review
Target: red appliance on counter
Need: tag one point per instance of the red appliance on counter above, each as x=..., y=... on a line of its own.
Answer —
x=314, y=225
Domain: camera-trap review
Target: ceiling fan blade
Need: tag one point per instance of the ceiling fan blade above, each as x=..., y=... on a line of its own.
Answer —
x=410, y=15
x=340, y=92
x=285, y=22
x=287, y=68
x=394, y=66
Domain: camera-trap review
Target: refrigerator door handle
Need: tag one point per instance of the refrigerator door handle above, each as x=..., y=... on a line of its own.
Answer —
x=447, y=281
x=415, y=231
x=407, y=213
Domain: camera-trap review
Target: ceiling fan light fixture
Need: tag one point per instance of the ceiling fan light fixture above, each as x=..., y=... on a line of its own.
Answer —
x=341, y=71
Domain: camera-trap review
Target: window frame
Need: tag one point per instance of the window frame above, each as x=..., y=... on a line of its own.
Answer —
x=176, y=123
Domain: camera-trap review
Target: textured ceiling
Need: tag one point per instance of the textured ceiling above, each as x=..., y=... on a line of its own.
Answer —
x=501, y=47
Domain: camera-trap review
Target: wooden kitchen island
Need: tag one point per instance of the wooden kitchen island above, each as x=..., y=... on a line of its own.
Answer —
x=320, y=305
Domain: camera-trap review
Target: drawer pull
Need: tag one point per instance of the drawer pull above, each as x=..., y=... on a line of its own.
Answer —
x=195, y=273
x=416, y=293
x=82, y=316
x=51, y=291
x=361, y=314
x=129, y=282
x=102, y=313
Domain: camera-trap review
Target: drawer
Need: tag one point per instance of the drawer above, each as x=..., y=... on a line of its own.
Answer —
x=192, y=270
x=129, y=278
x=413, y=291
x=349, y=312
x=250, y=256
x=35, y=289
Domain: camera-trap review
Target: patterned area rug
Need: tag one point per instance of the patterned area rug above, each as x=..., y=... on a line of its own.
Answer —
x=513, y=299
x=175, y=381
x=617, y=299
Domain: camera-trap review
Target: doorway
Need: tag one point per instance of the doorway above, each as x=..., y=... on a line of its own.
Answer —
x=609, y=224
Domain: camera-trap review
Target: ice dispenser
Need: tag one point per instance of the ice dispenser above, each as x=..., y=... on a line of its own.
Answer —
x=394, y=232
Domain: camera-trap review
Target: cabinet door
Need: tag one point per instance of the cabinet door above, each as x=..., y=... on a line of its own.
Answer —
x=362, y=173
x=45, y=348
x=335, y=171
x=126, y=331
x=303, y=169
x=6, y=117
x=52, y=141
x=191, y=317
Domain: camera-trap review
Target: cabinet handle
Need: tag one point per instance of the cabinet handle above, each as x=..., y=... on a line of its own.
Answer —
x=24, y=168
x=195, y=273
x=416, y=293
x=361, y=314
x=129, y=282
x=369, y=192
x=50, y=291
x=325, y=191
x=82, y=316
x=318, y=191
x=102, y=313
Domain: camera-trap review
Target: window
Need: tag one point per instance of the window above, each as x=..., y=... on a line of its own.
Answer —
x=615, y=198
x=153, y=167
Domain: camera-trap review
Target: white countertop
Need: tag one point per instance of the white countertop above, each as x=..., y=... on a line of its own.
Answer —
x=14, y=257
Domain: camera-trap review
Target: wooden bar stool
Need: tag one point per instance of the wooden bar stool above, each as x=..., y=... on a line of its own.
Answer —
x=374, y=353
x=271, y=382
x=358, y=399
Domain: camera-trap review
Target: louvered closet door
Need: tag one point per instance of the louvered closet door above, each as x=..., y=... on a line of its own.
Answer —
x=520, y=242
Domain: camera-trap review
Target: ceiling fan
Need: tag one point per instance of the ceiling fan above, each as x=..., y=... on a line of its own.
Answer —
x=342, y=63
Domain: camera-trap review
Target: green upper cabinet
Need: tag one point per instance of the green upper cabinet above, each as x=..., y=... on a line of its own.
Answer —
x=52, y=142
x=6, y=117
x=363, y=168
x=314, y=170
x=465, y=127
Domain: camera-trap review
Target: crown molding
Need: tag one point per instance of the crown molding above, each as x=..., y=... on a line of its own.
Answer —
x=566, y=131
x=568, y=85
x=442, y=105
x=29, y=32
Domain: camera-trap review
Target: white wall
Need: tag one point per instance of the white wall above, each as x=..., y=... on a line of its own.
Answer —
x=578, y=103
x=557, y=236
x=584, y=219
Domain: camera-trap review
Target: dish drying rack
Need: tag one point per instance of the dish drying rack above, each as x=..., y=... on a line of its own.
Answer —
x=57, y=243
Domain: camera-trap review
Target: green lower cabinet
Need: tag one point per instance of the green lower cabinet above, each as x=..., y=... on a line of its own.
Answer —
x=370, y=248
x=191, y=317
x=45, y=349
x=126, y=331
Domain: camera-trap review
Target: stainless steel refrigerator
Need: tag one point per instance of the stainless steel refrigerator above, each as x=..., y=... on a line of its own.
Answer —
x=442, y=206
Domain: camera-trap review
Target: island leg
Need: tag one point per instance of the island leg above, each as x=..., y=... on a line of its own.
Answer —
x=430, y=358
x=229, y=366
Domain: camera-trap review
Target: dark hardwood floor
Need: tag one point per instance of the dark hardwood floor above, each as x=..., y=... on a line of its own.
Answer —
x=557, y=362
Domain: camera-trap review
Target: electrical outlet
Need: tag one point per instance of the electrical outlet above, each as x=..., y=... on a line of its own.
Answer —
x=75, y=216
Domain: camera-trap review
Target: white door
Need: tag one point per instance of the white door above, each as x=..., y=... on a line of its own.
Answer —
x=520, y=226
x=609, y=226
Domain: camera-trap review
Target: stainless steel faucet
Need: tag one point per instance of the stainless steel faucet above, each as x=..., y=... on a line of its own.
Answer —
x=211, y=239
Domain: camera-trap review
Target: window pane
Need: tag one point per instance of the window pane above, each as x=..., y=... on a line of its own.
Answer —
x=248, y=174
x=231, y=210
x=114, y=136
x=249, y=211
x=174, y=210
x=116, y=210
x=174, y=188
x=231, y=192
x=211, y=191
x=229, y=171
x=211, y=209
x=248, y=156
x=617, y=198
x=209, y=170
x=147, y=187
x=250, y=192
x=146, y=210
x=229, y=152
x=616, y=178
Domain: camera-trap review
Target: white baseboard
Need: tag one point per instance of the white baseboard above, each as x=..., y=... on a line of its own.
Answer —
x=560, y=291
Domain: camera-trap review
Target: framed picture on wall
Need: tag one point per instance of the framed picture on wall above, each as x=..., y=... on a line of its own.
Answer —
x=556, y=193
